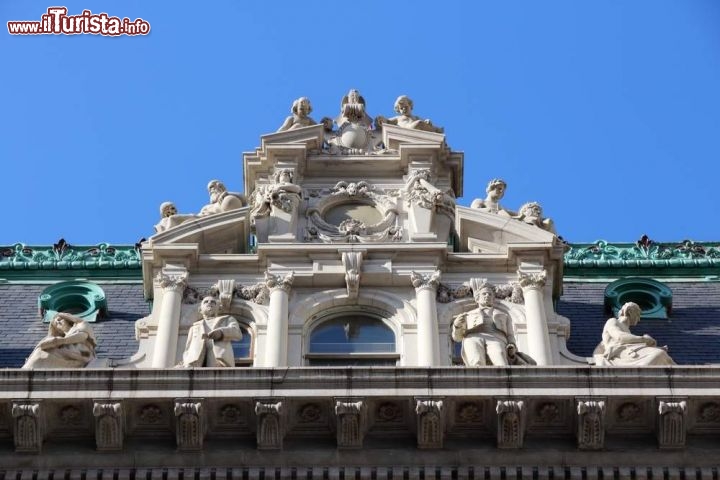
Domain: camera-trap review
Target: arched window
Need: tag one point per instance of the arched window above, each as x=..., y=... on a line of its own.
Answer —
x=243, y=348
x=352, y=339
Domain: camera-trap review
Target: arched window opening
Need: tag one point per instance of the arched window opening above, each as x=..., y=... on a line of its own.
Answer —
x=352, y=339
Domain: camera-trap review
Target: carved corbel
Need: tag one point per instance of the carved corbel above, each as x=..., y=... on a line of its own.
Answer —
x=29, y=431
x=671, y=425
x=591, y=424
x=352, y=261
x=109, y=423
x=270, y=425
x=351, y=420
x=189, y=424
x=510, y=423
x=430, y=424
x=225, y=290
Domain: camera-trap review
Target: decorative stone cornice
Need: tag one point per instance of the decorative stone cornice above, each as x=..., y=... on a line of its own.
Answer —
x=279, y=282
x=532, y=280
x=425, y=281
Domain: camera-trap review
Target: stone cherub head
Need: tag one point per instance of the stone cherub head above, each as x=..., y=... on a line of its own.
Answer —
x=167, y=209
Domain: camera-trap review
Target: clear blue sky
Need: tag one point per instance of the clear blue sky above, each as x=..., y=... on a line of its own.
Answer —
x=607, y=113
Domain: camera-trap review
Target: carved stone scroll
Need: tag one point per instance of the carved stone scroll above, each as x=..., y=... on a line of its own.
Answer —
x=591, y=424
x=350, y=423
x=189, y=424
x=430, y=425
x=270, y=431
x=109, y=423
x=510, y=423
x=29, y=430
x=671, y=425
x=352, y=261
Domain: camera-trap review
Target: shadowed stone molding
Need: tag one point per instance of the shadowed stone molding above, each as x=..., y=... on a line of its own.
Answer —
x=270, y=425
x=671, y=424
x=591, y=424
x=189, y=424
x=430, y=424
x=351, y=421
x=510, y=423
x=29, y=431
x=109, y=422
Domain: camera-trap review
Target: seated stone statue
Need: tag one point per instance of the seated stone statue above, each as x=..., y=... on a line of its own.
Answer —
x=619, y=347
x=275, y=194
x=70, y=343
x=495, y=192
x=169, y=217
x=300, y=110
x=531, y=213
x=209, y=339
x=485, y=333
x=221, y=200
x=352, y=110
x=403, y=107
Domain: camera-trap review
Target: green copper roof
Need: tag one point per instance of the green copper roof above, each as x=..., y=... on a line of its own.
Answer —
x=644, y=257
x=22, y=261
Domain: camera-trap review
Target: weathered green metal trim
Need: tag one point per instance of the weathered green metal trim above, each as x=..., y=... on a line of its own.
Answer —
x=83, y=299
x=62, y=260
x=643, y=258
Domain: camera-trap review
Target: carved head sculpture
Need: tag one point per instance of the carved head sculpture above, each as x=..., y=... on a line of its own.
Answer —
x=283, y=175
x=531, y=209
x=327, y=124
x=208, y=306
x=403, y=105
x=167, y=209
x=484, y=294
x=59, y=326
x=301, y=107
x=632, y=312
x=216, y=189
x=496, y=189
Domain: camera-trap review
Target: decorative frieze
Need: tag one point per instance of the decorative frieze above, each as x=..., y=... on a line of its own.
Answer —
x=29, y=431
x=430, y=425
x=590, y=424
x=671, y=424
x=189, y=424
x=270, y=428
x=109, y=422
x=510, y=423
x=350, y=417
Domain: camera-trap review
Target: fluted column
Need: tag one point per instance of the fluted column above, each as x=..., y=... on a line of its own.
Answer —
x=428, y=341
x=173, y=284
x=276, y=339
x=538, y=337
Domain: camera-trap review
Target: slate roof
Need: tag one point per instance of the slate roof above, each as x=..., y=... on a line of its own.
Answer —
x=21, y=327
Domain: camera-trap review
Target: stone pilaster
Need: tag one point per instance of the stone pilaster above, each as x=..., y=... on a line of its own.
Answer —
x=189, y=424
x=270, y=425
x=277, y=327
x=591, y=424
x=29, y=426
x=538, y=337
x=430, y=423
x=350, y=416
x=510, y=423
x=109, y=422
x=428, y=338
x=671, y=424
x=172, y=282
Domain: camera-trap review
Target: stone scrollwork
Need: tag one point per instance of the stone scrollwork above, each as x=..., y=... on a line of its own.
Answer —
x=430, y=424
x=510, y=423
x=269, y=425
x=352, y=261
x=419, y=191
x=591, y=424
x=352, y=189
x=671, y=428
x=274, y=206
x=189, y=424
x=109, y=423
x=350, y=423
x=29, y=430
x=354, y=231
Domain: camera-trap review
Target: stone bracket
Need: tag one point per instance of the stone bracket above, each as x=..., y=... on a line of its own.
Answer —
x=430, y=422
x=109, y=423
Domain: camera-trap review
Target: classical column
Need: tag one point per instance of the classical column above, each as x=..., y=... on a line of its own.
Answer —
x=538, y=337
x=428, y=341
x=276, y=340
x=173, y=284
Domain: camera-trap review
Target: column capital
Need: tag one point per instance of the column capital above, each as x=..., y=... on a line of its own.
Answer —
x=173, y=280
x=279, y=282
x=429, y=281
x=532, y=280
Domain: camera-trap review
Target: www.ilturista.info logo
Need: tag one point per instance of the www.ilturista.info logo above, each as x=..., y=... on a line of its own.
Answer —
x=57, y=22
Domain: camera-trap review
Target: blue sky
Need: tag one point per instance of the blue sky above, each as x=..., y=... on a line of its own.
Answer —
x=607, y=113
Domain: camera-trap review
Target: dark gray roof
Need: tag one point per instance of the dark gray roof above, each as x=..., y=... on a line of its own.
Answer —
x=692, y=333
x=21, y=326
